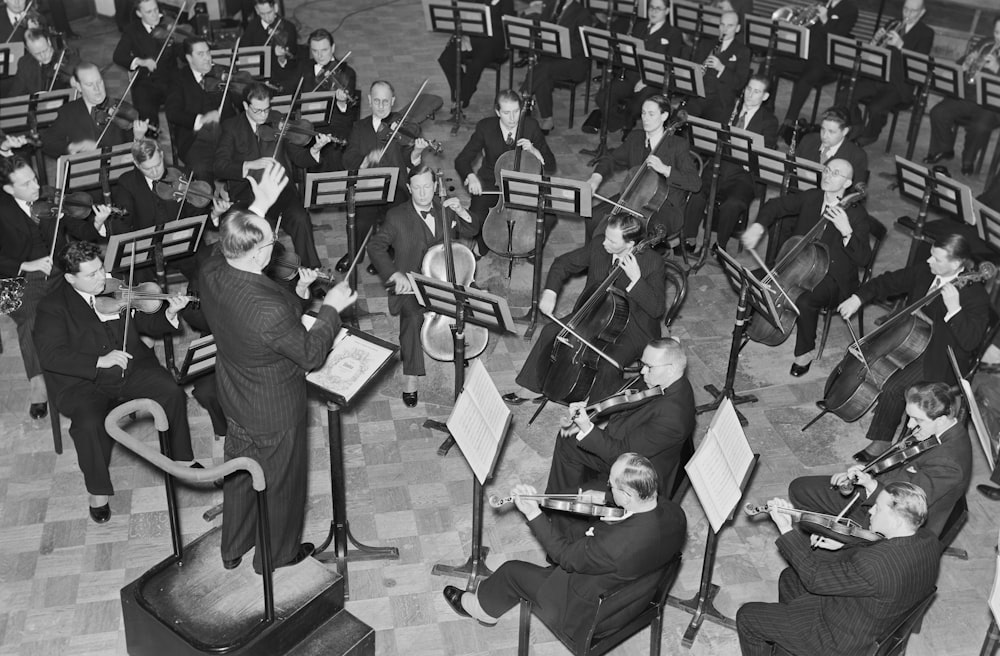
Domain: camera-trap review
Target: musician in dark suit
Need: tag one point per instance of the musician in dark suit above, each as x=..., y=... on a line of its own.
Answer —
x=137, y=51
x=264, y=353
x=75, y=128
x=477, y=52
x=950, y=113
x=832, y=142
x=37, y=67
x=369, y=139
x=942, y=472
x=610, y=555
x=13, y=14
x=90, y=363
x=549, y=70
x=839, y=603
x=726, y=65
x=257, y=30
x=246, y=144
x=25, y=244
x=845, y=238
x=657, y=429
x=491, y=139
x=409, y=230
x=640, y=283
x=666, y=154
x=959, y=317
x=882, y=97
x=735, y=189
x=627, y=89
x=346, y=111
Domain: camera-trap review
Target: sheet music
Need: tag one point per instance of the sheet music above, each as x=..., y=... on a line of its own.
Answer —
x=351, y=362
x=201, y=365
x=479, y=421
x=720, y=466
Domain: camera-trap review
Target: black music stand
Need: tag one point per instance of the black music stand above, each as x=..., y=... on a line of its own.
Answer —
x=537, y=39
x=774, y=37
x=931, y=189
x=198, y=360
x=459, y=19
x=754, y=295
x=696, y=20
x=988, y=96
x=855, y=58
x=313, y=106
x=94, y=169
x=356, y=360
x=542, y=194
x=30, y=115
x=928, y=74
x=255, y=60
x=10, y=54
x=719, y=488
x=479, y=422
x=988, y=223
x=618, y=8
x=614, y=51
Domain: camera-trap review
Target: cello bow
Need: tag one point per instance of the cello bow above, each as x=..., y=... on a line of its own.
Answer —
x=584, y=341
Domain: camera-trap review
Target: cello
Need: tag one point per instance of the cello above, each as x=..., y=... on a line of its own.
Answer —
x=802, y=263
x=856, y=382
x=597, y=323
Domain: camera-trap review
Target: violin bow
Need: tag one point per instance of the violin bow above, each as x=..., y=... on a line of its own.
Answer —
x=773, y=277
x=113, y=113
x=24, y=15
x=328, y=74
x=128, y=304
x=55, y=71
x=271, y=30
x=402, y=120
x=59, y=213
x=170, y=34
x=229, y=78
x=284, y=123
x=584, y=341
x=359, y=254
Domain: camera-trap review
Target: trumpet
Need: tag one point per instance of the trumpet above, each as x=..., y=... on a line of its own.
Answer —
x=893, y=27
x=976, y=65
x=796, y=15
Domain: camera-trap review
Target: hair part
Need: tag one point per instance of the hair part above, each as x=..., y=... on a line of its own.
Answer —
x=935, y=399
x=321, y=35
x=660, y=101
x=144, y=149
x=639, y=475
x=239, y=233
x=84, y=66
x=909, y=501
x=191, y=42
x=76, y=253
x=958, y=248
x=37, y=34
x=837, y=115
x=419, y=169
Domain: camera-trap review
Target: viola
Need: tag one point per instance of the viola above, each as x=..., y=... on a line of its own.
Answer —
x=298, y=131
x=174, y=186
x=572, y=503
x=121, y=114
x=76, y=205
x=627, y=400
x=145, y=297
x=169, y=31
x=836, y=528
x=408, y=133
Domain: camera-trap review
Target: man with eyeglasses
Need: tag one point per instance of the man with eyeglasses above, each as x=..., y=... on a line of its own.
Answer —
x=832, y=142
x=35, y=72
x=845, y=238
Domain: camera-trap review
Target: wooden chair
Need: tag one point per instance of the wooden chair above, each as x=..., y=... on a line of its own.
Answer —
x=569, y=85
x=894, y=642
x=677, y=289
x=643, y=599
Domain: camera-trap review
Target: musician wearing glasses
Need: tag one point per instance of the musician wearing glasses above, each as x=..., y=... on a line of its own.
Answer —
x=950, y=113
x=845, y=238
x=726, y=64
x=37, y=69
x=137, y=53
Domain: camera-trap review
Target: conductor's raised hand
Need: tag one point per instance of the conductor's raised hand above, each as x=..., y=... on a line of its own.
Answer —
x=528, y=507
x=340, y=296
x=113, y=359
x=273, y=181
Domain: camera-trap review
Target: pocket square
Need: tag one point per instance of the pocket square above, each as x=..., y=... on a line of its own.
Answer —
x=664, y=42
x=590, y=532
x=732, y=58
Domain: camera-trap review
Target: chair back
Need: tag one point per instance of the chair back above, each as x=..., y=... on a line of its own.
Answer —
x=876, y=233
x=894, y=642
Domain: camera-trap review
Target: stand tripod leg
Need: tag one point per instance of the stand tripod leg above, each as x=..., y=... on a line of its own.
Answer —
x=728, y=392
x=702, y=605
x=475, y=567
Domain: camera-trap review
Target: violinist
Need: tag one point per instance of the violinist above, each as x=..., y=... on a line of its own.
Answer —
x=369, y=139
x=344, y=81
x=25, y=243
x=735, y=189
x=268, y=22
x=13, y=20
x=476, y=53
x=613, y=552
x=409, y=230
x=247, y=143
x=35, y=72
x=950, y=113
x=841, y=603
x=79, y=123
x=833, y=142
x=643, y=284
x=959, y=318
x=942, y=471
x=845, y=239
x=138, y=51
x=491, y=138
x=727, y=68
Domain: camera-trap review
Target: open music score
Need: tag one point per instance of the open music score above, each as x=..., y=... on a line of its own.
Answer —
x=355, y=359
x=479, y=421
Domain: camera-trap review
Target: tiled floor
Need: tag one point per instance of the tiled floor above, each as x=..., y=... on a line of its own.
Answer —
x=61, y=573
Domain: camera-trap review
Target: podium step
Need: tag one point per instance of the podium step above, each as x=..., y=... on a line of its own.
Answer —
x=341, y=635
x=195, y=606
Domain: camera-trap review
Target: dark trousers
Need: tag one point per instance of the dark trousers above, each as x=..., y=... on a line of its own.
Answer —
x=411, y=350
x=807, y=76
x=620, y=108
x=573, y=468
x=283, y=455
x=36, y=286
x=892, y=403
x=148, y=96
x=207, y=394
x=825, y=295
x=548, y=71
x=760, y=625
x=881, y=99
x=87, y=404
x=514, y=580
x=296, y=222
x=950, y=113
x=712, y=107
x=484, y=52
x=735, y=192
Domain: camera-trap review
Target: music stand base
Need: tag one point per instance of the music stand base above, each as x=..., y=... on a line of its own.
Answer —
x=595, y=153
x=363, y=551
x=737, y=399
x=467, y=569
x=701, y=611
x=531, y=318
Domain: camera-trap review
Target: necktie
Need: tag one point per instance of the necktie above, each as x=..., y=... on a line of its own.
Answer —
x=509, y=140
x=742, y=123
x=201, y=83
x=824, y=154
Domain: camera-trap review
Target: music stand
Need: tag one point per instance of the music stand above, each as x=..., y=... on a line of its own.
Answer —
x=754, y=295
x=10, y=54
x=988, y=224
x=855, y=58
x=356, y=360
x=536, y=38
x=695, y=20
x=775, y=37
x=479, y=422
x=613, y=8
x=988, y=96
x=459, y=19
x=94, y=168
x=313, y=106
x=198, y=361
x=671, y=74
x=928, y=74
x=929, y=188
x=255, y=60
x=613, y=51
x=719, y=472
x=543, y=194
x=31, y=115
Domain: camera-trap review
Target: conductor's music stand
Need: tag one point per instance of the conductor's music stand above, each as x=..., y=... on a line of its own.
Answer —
x=928, y=74
x=774, y=37
x=537, y=38
x=614, y=51
x=931, y=189
x=856, y=58
x=988, y=96
x=696, y=20
x=94, y=169
x=542, y=194
x=355, y=362
x=671, y=74
x=459, y=19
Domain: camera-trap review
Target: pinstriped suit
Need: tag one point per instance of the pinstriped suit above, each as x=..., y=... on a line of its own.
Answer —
x=837, y=603
x=264, y=354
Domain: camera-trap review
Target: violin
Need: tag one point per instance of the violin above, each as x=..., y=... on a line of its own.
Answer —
x=616, y=403
x=216, y=78
x=174, y=186
x=121, y=114
x=76, y=205
x=145, y=297
x=841, y=529
x=407, y=134
x=895, y=456
x=279, y=36
x=422, y=108
x=285, y=265
x=169, y=31
x=331, y=78
x=571, y=503
x=298, y=131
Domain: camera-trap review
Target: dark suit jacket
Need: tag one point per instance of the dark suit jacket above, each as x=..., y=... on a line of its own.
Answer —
x=854, y=595
x=145, y=208
x=840, y=21
x=727, y=86
x=808, y=149
x=255, y=35
x=22, y=240
x=74, y=123
x=264, y=350
x=340, y=121
x=487, y=139
x=32, y=77
x=185, y=102
x=574, y=15
x=963, y=332
x=587, y=567
x=137, y=42
x=406, y=233
x=69, y=338
x=764, y=123
x=363, y=140
x=7, y=31
x=920, y=39
x=806, y=207
x=657, y=429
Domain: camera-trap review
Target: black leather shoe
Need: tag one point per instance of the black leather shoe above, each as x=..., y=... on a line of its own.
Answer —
x=343, y=264
x=372, y=270
x=800, y=369
x=968, y=168
x=305, y=550
x=786, y=132
x=454, y=598
x=865, y=140
x=989, y=492
x=38, y=410
x=513, y=399
x=410, y=399
x=863, y=457
x=232, y=564
x=934, y=158
x=593, y=123
x=101, y=514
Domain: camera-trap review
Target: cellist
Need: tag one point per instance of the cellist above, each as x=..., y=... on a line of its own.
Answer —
x=959, y=318
x=643, y=284
x=846, y=241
